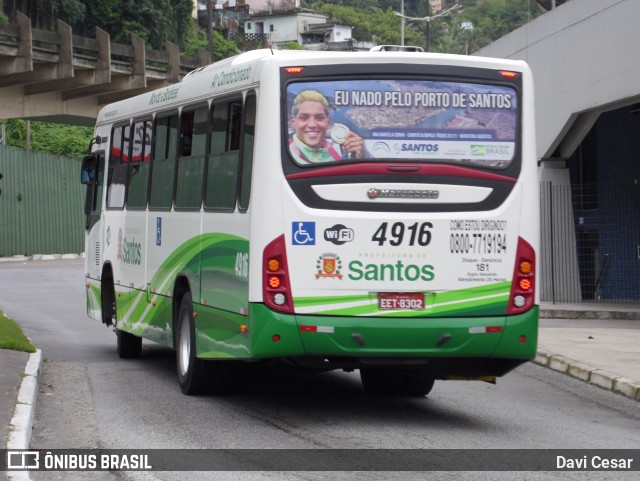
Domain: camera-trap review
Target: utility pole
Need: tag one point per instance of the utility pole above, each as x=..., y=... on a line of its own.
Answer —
x=210, y=29
x=27, y=140
x=402, y=23
x=427, y=19
x=427, y=36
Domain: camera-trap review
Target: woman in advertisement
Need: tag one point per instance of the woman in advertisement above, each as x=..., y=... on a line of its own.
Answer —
x=311, y=122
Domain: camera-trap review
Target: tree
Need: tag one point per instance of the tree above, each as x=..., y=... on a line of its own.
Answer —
x=69, y=11
x=156, y=21
x=66, y=140
x=101, y=13
x=375, y=20
x=223, y=48
x=148, y=19
x=291, y=46
x=371, y=23
x=493, y=19
x=184, y=25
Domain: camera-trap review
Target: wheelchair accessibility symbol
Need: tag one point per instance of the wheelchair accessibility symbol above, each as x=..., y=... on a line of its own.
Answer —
x=303, y=233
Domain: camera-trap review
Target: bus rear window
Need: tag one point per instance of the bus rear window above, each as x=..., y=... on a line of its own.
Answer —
x=402, y=120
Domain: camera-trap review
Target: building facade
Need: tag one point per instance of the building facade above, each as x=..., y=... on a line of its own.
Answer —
x=587, y=79
x=288, y=26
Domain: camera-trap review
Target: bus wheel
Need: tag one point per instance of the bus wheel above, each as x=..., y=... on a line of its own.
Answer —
x=380, y=381
x=191, y=370
x=108, y=301
x=128, y=345
x=416, y=383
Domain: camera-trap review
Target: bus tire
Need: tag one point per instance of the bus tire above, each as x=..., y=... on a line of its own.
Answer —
x=191, y=370
x=416, y=383
x=380, y=381
x=129, y=346
x=108, y=302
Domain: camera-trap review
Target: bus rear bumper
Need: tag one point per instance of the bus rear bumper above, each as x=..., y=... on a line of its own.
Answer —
x=469, y=346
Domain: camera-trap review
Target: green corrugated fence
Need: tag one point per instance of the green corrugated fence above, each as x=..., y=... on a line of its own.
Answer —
x=41, y=203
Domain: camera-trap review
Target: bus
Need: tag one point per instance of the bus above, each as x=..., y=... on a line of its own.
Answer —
x=372, y=211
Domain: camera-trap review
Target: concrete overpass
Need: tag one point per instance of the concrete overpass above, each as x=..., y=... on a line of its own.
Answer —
x=61, y=77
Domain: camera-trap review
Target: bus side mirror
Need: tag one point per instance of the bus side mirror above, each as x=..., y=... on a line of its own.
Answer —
x=1, y=176
x=88, y=170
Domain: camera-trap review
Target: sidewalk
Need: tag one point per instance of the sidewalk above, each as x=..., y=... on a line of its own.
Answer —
x=598, y=343
x=595, y=343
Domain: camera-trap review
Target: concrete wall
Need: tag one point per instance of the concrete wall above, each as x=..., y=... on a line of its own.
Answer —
x=586, y=68
x=584, y=57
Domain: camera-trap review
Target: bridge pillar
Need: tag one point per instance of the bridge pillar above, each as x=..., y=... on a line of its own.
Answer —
x=23, y=60
x=173, y=67
x=65, y=50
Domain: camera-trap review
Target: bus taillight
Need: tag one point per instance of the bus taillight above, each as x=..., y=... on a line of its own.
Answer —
x=276, y=291
x=523, y=291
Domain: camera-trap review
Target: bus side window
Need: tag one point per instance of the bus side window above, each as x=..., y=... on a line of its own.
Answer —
x=235, y=126
x=191, y=163
x=118, y=167
x=222, y=172
x=140, y=166
x=248, y=135
x=163, y=162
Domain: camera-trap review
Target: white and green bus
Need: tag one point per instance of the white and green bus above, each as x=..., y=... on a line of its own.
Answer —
x=355, y=210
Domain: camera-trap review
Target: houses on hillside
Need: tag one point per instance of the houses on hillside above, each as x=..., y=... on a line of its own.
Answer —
x=273, y=23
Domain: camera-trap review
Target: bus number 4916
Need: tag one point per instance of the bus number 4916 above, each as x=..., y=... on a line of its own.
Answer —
x=415, y=233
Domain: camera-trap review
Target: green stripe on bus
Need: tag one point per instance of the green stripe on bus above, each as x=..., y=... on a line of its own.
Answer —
x=449, y=303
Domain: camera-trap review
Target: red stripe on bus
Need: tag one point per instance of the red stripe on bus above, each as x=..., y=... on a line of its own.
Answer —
x=409, y=169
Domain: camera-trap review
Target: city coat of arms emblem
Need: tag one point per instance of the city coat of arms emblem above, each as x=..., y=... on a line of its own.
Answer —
x=328, y=265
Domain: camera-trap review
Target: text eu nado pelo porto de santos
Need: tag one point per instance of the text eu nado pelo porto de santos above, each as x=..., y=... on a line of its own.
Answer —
x=395, y=98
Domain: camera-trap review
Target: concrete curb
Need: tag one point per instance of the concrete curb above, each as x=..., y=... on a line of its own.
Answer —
x=22, y=421
x=585, y=313
x=592, y=375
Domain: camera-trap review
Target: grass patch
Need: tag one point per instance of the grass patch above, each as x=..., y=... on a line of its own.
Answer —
x=12, y=337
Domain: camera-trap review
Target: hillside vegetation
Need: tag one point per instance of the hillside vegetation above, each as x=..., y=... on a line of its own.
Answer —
x=477, y=24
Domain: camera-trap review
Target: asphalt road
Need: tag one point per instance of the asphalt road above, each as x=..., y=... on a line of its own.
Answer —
x=91, y=399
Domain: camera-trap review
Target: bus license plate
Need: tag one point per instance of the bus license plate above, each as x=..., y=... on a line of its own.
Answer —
x=397, y=300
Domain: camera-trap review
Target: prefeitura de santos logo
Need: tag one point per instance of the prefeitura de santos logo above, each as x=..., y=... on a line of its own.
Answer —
x=328, y=265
